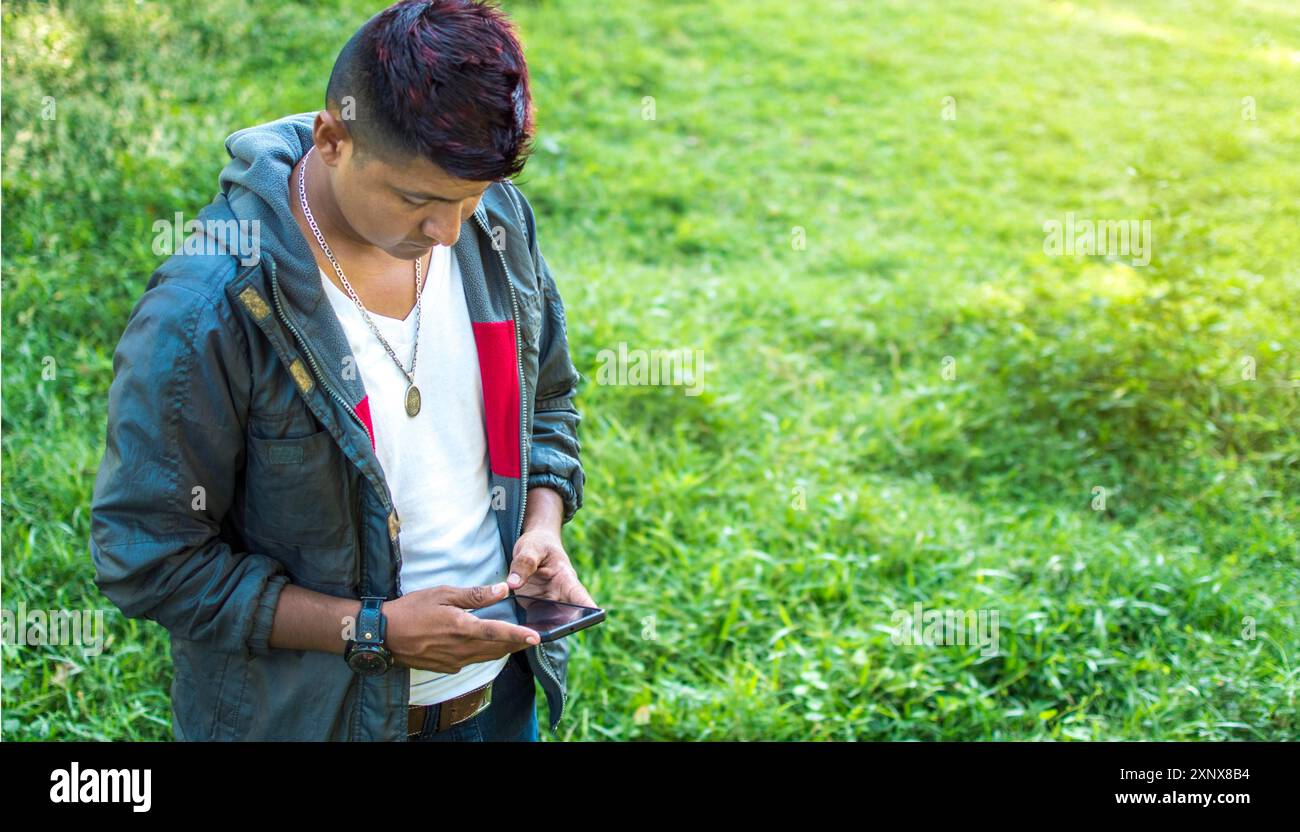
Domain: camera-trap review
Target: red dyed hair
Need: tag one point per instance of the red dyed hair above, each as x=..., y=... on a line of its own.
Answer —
x=444, y=80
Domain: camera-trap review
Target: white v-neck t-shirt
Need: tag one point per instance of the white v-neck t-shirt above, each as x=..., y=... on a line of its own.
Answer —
x=436, y=462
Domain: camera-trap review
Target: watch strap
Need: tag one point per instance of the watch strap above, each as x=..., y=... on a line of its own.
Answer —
x=370, y=622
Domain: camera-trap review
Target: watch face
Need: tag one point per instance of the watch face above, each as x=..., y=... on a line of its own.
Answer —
x=368, y=662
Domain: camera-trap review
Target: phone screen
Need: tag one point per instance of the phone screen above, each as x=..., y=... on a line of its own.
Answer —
x=551, y=619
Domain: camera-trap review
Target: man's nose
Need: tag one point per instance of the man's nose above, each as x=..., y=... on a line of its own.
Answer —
x=443, y=229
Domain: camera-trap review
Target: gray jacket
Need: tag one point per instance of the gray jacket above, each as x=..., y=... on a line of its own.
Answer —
x=239, y=454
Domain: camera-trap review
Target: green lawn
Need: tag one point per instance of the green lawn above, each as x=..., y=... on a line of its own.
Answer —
x=915, y=405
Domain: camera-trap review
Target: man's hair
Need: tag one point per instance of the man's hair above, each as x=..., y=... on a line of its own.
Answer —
x=444, y=80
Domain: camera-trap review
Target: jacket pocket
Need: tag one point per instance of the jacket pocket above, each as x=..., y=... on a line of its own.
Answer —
x=297, y=508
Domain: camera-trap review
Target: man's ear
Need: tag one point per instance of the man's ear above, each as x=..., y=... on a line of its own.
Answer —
x=333, y=140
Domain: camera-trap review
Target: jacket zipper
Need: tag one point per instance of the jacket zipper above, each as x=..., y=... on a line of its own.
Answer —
x=523, y=459
x=359, y=573
x=275, y=287
x=311, y=360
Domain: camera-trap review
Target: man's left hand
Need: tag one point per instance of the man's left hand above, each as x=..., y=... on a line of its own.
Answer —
x=541, y=567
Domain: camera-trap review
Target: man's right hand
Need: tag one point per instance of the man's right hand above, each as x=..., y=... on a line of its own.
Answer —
x=430, y=629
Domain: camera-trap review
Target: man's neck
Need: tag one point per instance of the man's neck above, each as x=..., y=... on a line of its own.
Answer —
x=385, y=284
x=353, y=254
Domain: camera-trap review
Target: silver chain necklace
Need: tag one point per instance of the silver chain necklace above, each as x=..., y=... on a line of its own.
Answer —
x=412, y=392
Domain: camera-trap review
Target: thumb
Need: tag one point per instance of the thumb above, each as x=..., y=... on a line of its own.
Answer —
x=473, y=597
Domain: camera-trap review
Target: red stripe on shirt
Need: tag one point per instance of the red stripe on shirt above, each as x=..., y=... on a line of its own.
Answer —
x=499, y=368
x=363, y=410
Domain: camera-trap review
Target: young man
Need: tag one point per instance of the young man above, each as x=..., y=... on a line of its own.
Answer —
x=322, y=455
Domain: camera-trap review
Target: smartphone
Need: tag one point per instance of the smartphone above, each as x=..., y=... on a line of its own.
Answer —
x=551, y=619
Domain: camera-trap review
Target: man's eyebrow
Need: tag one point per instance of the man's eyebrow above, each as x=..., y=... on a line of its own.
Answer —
x=423, y=195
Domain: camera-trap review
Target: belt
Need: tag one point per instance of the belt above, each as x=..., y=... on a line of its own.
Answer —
x=450, y=711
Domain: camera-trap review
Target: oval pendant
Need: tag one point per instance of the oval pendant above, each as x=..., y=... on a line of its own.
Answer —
x=412, y=400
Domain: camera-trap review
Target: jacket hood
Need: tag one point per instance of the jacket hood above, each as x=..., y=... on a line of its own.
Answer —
x=256, y=184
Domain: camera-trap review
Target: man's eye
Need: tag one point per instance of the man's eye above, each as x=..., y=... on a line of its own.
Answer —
x=409, y=201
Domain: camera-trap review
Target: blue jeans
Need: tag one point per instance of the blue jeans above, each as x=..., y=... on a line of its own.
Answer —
x=511, y=717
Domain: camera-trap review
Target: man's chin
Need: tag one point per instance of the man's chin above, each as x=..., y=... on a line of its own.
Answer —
x=405, y=252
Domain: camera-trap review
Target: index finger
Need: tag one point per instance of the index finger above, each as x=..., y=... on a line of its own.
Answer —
x=487, y=629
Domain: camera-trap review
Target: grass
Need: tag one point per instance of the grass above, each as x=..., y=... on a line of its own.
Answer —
x=917, y=405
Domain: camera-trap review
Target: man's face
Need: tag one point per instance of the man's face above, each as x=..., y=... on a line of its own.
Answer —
x=404, y=210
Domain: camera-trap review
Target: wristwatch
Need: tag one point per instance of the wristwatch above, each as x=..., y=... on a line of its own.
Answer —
x=366, y=654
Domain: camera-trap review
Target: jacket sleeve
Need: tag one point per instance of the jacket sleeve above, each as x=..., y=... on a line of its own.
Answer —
x=175, y=444
x=554, y=460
